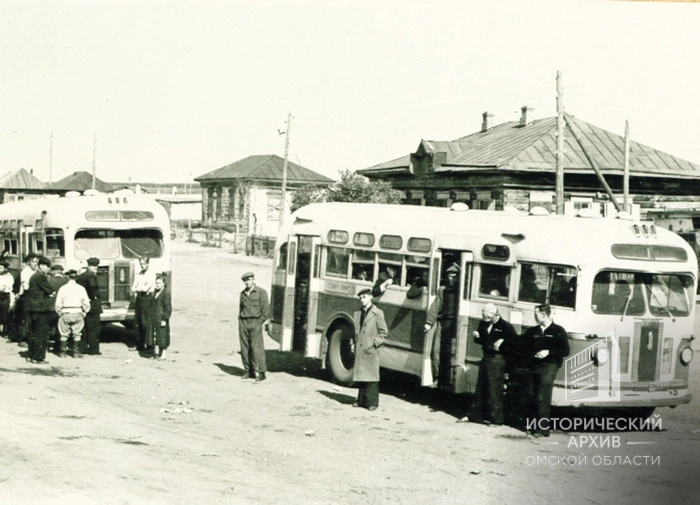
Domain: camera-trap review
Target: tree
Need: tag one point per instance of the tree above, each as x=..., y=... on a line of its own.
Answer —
x=351, y=187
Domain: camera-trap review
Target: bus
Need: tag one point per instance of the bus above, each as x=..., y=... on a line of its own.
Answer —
x=623, y=289
x=117, y=228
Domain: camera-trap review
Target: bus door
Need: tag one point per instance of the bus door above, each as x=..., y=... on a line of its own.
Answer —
x=447, y=349
x=302, y=286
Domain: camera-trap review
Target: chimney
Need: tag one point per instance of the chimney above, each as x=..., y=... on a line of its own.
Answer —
x=525, y=117
x=486, y=121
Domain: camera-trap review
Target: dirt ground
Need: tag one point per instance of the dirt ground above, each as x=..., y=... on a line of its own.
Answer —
x=123, y=429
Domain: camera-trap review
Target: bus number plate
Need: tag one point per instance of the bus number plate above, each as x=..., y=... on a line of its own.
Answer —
x=659, y=386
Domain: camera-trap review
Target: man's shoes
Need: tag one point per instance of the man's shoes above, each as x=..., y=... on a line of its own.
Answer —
x=355, y=404
x=22, y=344
x=372, y=408
x=261, y=377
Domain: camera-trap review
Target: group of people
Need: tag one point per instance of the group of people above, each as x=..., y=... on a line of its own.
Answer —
x=516, y=374
x=530, y=361
x=45, y=304
x=152, y=310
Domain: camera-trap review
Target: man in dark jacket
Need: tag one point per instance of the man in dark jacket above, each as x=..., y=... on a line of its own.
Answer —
x=492, y=333
x=39, y=310
x=93, y=325
x=549, y=345
x=253, y=314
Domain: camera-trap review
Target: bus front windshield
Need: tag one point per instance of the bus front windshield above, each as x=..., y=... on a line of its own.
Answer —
x=636, y=294
x=113, y=244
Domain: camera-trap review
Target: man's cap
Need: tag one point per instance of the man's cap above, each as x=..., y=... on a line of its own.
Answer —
x=247, y=275
x=57, y=267
x=43, y=260
x=93, y=262
x=454, y=269
x=71, y=273
x=365, y=291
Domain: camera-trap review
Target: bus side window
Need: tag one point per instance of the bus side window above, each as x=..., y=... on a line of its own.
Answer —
x=563, y=290
x=363, y=265
x=282, y=258
x=494, y=280
x=361, y=272
x=337, y=260
x=530, y=290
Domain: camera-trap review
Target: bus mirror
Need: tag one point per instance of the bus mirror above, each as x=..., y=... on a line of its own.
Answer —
x=538, y=211
x=459, y=207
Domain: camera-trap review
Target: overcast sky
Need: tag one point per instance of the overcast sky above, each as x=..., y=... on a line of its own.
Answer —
x=174, y=89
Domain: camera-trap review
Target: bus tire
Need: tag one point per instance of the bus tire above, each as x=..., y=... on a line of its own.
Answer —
x=341, y=358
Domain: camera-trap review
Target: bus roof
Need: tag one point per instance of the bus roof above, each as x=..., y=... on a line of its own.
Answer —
x=555, y=238
x=72, y=210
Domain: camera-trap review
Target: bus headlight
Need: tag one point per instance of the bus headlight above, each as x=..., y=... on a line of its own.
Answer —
x=601, y=356
x=686, y=355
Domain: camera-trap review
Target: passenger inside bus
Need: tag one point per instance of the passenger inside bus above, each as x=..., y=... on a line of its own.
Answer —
x=361, y=272
x=418, y=285
x=389, y=275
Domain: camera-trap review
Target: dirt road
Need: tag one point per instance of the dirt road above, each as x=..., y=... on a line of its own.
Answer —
x=122, y=429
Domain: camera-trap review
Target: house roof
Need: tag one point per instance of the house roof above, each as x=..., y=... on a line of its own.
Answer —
x=264, y=167
x=20, y=179
x=512, y=147
x=80, y=181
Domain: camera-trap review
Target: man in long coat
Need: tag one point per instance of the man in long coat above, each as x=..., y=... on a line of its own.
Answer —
x=370, y=334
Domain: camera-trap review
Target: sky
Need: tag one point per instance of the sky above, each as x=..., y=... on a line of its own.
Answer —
x=165, y=91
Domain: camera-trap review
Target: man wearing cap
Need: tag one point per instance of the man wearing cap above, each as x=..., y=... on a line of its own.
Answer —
x=370, y=332
x=440, y=321
x=72, y=304
x=253, y=314
x=56, y=280
x=93, y=325
x=38, y=306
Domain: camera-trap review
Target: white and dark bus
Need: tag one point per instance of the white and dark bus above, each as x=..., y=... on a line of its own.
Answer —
x=623, y=289
x=117, y=228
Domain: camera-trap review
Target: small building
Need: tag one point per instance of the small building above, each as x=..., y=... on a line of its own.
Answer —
x=20, y=185
x=80, y=181
x=247, y=194
x=513, y=165
x=181, y=207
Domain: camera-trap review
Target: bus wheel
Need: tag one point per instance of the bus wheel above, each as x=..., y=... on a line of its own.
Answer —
x=341, y=357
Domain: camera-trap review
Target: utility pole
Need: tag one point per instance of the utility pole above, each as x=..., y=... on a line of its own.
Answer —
x=560, y=147
x=626, y=173
x=50, y=158
x=283, y=205
x=94, y=159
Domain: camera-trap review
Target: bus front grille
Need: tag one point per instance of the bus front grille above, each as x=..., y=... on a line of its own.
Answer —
x=103, y=284
x=647, y=343
x=122, y=282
